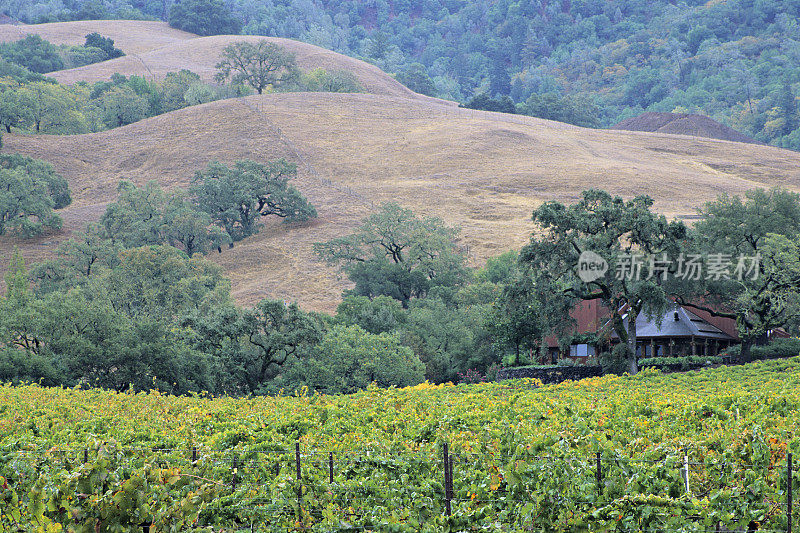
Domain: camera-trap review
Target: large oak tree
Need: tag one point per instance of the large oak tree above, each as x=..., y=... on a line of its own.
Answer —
x=258, y=65
x=397, y=254
x=617, y=230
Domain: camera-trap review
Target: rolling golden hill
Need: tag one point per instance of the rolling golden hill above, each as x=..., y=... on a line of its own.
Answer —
x=153, y=49
x=482, y=171
x=131, y=36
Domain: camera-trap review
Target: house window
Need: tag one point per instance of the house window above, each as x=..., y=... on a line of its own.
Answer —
x=581, y=350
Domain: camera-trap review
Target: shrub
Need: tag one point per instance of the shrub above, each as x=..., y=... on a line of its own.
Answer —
x=204, y=17
x=685, y=362
x=615, y=361
x=18, y=366
x=33, y=53
x=776, y=349
x=349, y=359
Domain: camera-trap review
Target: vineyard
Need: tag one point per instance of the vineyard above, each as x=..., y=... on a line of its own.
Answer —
x=700, y=451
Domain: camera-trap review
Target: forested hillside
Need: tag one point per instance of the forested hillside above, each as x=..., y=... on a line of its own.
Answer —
x=733, y=60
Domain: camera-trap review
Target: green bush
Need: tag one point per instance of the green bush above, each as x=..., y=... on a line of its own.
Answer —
x=615, y=361
x=33, y=53
x=685, y=362
x=349, y=358
x=204, y=17
x=18, y=366
x=774, y=350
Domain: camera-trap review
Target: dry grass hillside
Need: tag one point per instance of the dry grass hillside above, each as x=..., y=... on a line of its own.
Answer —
x=202, y=53
x=153, y=49
x=131, y=36
x=482, y=171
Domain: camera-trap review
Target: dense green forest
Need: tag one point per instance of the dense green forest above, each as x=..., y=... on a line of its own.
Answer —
x=733, y=60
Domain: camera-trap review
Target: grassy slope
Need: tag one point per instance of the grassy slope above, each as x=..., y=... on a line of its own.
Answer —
x=482, y=171
x=131, y=36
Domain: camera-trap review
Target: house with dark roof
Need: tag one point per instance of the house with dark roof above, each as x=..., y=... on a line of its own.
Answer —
x=680, y=331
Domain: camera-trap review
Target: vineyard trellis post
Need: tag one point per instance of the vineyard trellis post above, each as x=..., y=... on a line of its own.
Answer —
x=685, y=469
x=447, y=480
x=235, y=469
x=789, y=494
x=299, y=481
x=330, y=467
x=599, y=473
x=450, y=475
x=194, y=455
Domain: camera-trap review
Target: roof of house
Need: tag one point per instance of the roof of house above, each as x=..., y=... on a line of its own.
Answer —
x=677, y=322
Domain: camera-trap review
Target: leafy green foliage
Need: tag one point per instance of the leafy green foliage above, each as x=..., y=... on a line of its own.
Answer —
x=349, y=359
x=57, y=186
x=381, y=314
x=483, y=101
x=30, y=190
x=577, y=110
x=685, y=362
x=521, y=456
x=617, y=361
x=237, y=198
x=148, y=215
x=204, y=17
x=83, y=256
x=393, y=253
x=19, y=74
x=112, y=330
x=33, y=53
x=106, y=44
x=415, y=77
x=334, y=81
x=615, y=229
x=729, y=60
x=777, y=348
x=261, y=65
x=764, y=223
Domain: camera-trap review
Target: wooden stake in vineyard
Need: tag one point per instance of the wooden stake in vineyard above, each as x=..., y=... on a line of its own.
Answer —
x=299, y=481
x=447, y=480
x=789, y=494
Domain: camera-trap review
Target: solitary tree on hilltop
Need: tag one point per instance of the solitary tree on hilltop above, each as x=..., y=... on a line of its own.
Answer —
x=258, y=65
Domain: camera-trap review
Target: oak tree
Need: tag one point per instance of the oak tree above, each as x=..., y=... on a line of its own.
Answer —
x=618, y=231
x=237, y=198
x=397, y=254
x=258, y=65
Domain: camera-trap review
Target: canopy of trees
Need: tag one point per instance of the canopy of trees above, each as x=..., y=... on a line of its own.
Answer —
x=40, y=56
x=237, y=198
x=30, y=190
x=765, y=224
x=31, y=102
x=204, y=17
x=616, y=229
x=136, y=312
x=732, y=60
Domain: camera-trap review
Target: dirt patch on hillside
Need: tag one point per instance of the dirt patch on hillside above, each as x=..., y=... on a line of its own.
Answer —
x=683, y=124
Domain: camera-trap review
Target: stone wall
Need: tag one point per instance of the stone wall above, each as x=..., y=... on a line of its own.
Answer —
x=551, y=374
